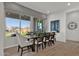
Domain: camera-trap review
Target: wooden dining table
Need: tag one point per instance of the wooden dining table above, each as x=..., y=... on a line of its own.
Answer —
x=34, y=38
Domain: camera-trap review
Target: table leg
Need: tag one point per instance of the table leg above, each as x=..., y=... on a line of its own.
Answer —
x=33, y=46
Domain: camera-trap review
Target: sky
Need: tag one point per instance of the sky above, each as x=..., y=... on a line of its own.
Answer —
x=15, y=22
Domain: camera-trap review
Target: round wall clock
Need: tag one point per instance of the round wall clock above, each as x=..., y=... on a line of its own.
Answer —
x=72, y=25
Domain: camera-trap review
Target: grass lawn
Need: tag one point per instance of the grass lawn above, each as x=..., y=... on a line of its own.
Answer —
x=8, y=34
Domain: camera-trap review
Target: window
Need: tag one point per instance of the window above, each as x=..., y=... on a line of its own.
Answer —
x=38, y=24
x=15, y=23
x=12, y=24
x=55, y=25
x=25, y=27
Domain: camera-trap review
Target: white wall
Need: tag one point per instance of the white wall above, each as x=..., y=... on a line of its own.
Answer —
x=73, y=34
x=61, y=36
x=65, y=17
x=2, y=22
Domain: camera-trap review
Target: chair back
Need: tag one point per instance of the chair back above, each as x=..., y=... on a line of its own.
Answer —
x=20, y=39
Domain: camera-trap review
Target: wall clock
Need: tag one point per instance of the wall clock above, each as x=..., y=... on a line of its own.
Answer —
x=72, y=25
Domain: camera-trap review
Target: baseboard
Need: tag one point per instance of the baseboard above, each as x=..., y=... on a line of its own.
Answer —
x=73, y=41
x=61, y=41
x=10, y=46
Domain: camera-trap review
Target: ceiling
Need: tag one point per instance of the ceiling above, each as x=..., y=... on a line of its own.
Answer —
x=49, y=7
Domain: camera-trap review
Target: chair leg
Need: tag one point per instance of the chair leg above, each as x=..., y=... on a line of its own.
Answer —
x=42, y=45
x=55, y=39
x=45, y=44
x=33, y=48
x=53, y=42
x=48, y=43
x=28, y=47
x=18, y=48
x=37, y=47
x=21, y=51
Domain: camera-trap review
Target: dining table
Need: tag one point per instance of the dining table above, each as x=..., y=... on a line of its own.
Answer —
x=34, y=38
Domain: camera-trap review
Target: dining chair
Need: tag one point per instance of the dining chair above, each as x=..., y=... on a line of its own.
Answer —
x=39, y=43
x=46, y=39
x=23, y=43
x=52, y=39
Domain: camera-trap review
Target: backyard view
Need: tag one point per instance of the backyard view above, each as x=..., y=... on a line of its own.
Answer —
x=13, y=25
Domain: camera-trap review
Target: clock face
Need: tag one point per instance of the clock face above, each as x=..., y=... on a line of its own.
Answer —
x=72, y=25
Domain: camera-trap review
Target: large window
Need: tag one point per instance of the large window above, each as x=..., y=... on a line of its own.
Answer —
x=25, y=27
x=14, y=23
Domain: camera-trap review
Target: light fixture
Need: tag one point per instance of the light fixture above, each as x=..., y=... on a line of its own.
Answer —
x=48, y=12
x=68, y=4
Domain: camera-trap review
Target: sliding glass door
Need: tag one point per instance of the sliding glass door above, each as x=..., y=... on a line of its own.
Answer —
x=12, y=25
x=25, y=27
x=16, y=22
